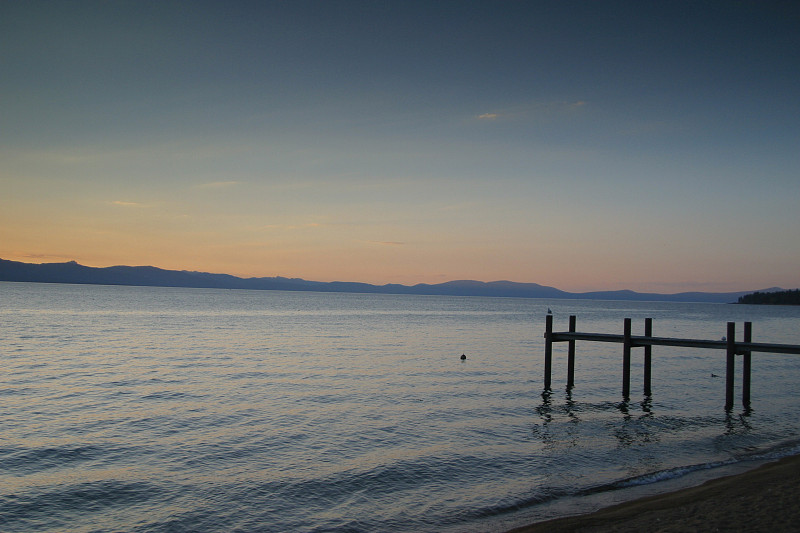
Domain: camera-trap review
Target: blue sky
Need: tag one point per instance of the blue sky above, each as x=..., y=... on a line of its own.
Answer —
x=584, y=145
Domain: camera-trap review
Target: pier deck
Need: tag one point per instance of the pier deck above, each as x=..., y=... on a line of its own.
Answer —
x=729, y=343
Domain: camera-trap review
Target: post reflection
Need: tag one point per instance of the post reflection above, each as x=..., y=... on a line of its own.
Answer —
x=737, y=424
x=636, y=430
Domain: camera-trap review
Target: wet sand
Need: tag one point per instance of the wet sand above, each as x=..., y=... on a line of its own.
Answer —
x=760, y=500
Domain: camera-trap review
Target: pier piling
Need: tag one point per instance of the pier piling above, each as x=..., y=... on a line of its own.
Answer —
x=730, y=361
x=571, y=355
x=647, y=341
x=746, y=364
x=548, y=351
x=626, y=360
x=648, y=357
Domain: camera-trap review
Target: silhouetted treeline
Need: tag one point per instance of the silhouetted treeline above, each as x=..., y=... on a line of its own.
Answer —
x=772, y=298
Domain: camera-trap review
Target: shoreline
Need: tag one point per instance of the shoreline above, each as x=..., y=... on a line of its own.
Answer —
x=765, y=498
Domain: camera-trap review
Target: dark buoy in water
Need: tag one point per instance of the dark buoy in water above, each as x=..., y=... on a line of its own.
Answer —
x=549, y=312
x=463, y=356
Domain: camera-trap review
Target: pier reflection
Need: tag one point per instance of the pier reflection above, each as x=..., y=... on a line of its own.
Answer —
x=570, y=407
x=544, y=410
x=738, y=424
x=638, y=425
x=647, y=405
x=636, y=430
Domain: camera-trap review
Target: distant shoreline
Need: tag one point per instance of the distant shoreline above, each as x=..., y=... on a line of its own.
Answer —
x=149, y=276
x=771, y=298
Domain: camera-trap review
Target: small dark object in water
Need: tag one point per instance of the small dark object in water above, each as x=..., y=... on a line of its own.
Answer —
x=713, y=375
x=463, y=356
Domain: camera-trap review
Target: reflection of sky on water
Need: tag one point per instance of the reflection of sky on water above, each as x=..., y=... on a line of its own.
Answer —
x=247, y=399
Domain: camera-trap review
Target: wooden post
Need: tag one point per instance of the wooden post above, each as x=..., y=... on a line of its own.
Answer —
x=748, y=334
x=648, y=353
x=548, y=351
x=626, y=360
x=729, y=365
x=571, y=355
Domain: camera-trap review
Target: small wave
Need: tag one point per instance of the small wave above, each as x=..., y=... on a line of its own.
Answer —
x=37, y=459
x=169, y=395
x=543, y=497
x=57, y=508
x=16, y=391
x=662, y=475
x=773, y=453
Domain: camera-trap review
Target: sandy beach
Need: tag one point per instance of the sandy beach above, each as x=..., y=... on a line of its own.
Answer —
x=764, y=499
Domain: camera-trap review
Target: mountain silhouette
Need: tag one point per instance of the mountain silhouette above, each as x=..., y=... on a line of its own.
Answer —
x=72, y=272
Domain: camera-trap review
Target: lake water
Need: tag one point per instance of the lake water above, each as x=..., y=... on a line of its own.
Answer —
x=167, y=409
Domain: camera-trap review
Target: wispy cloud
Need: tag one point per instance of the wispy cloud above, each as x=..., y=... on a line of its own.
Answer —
x=127, y=204
x=42, y=257
x=219, y=184
x=388, y=243
x=532, y=110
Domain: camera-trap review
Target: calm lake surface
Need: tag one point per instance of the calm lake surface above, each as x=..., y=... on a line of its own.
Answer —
x=165, y=409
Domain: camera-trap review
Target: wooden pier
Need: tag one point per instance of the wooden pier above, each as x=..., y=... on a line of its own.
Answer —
x=647, y=341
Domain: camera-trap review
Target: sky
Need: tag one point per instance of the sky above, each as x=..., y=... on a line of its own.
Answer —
x=647, y=145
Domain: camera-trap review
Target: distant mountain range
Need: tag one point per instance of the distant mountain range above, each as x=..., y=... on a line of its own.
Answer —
x=73, y=272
